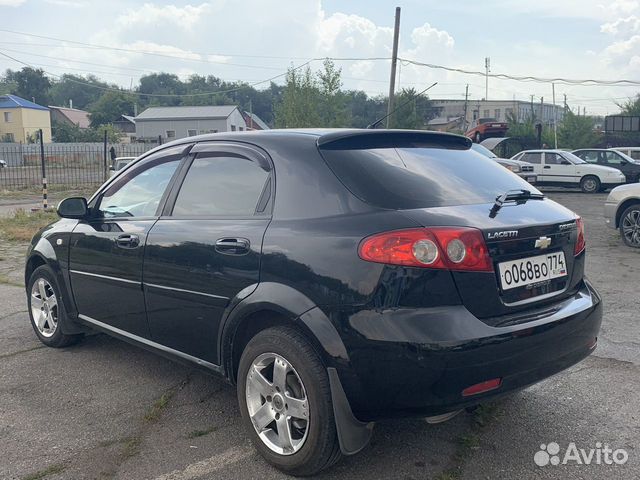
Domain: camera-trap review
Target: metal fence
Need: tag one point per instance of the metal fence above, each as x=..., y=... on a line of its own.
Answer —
x=67, y=165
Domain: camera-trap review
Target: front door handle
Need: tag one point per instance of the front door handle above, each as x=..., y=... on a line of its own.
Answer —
x=128, y=241
x=547, y=166
x=233, y=246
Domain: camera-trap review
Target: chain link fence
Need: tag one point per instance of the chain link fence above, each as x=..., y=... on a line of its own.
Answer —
x=67, y=165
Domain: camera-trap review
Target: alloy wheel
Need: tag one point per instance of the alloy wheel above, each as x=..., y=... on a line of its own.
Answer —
x=631, y=227
x=44, y=307
x=277, y=403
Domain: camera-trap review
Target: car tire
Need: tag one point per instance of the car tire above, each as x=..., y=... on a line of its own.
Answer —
x=288, y=442
x=477, y=137
x=46, y=309
x=590, y=184
x=630, y=226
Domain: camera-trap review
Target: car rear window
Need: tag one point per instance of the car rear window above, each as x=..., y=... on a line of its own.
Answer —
x=406, y=178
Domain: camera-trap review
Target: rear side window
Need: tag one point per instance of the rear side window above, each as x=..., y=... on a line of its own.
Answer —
x=405, y=178
x=532, y=157
x=221, y=185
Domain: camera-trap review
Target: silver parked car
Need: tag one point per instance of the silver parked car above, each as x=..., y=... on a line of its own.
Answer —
x=622, y=211
x=119, y=163
x=523, y=169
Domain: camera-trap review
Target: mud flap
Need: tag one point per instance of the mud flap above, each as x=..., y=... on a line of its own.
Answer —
x=353, y=434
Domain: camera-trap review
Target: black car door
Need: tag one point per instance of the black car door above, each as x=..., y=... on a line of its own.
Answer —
x=205, y=249
x=106, y=250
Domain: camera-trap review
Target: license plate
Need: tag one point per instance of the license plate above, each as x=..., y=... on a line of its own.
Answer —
x=496, y=125
x=531, y=270
x=531, y=179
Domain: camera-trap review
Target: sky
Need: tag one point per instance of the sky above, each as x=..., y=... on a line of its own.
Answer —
x=255, y=40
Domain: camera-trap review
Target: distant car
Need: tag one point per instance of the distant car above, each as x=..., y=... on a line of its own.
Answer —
x=622, y=211
x=119, y=163
x=486, y=127
x=633, y=152
x=611, y=158
x=564, y=169
x=3, y=164
x=523, y=169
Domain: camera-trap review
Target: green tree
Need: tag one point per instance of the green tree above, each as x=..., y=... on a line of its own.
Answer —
x=110, y=106
x=300, y=101
x=631, y=106
x=413, y=111
x=332, y=109
x=31, y=84
x=66, y=133
x=83, y=91
x=576, y=131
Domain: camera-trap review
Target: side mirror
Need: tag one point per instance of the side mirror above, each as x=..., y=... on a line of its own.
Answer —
x=73, y=207
x=623, y=162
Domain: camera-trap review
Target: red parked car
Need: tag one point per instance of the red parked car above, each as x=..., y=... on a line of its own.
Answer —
x=485, y=128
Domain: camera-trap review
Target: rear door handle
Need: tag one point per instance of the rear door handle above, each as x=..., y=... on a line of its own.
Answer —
x=233, y=246
x=128, y=241
x=547, y=166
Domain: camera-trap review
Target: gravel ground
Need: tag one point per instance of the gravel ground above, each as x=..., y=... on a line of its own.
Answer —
x=95, y=410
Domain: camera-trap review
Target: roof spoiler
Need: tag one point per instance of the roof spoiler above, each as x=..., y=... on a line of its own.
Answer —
x=363, y=139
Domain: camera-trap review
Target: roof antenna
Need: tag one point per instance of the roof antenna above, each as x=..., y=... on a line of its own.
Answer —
x=373, y=125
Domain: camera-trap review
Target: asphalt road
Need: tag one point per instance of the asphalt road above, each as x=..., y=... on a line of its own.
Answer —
x=104, y=409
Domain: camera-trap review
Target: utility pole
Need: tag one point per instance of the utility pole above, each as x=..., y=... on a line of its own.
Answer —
x=566, y=107
x=487, y=64
x=466, y=99
x=541, y=106
x=532, y=114
x=555, y=116
x=251, y=114
x=394, y=61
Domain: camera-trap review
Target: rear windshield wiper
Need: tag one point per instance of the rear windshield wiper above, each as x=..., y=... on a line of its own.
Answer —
x=519, y=196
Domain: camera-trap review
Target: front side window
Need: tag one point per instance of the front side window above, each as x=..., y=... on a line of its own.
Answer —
x=552, y=159
x=589, y=156
x=612, y=158
x=221, y=184
x=138, y=192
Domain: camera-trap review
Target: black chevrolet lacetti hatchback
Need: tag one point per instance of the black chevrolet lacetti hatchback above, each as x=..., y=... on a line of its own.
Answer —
x=335, y=276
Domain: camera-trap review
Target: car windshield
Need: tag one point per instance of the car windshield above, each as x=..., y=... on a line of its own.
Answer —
x=571, y=157
x=487, y=120
x=476, y=147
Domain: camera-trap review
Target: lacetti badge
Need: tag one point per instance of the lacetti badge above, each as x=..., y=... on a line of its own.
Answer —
x=543, y=242
x=500, y=235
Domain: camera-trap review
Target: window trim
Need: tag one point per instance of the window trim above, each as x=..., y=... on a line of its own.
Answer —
x=133, y=167
x=250, y=152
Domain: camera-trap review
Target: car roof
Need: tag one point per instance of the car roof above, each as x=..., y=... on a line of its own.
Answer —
x=347, y=137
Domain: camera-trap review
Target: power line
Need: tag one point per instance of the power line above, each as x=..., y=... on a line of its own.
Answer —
x=100, y=87
x=524, y=78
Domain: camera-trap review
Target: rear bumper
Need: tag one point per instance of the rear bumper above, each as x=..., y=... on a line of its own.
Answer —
x=418, y=362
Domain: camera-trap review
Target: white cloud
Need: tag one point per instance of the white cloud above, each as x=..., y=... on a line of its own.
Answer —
x=11, y=3
x=150, y=14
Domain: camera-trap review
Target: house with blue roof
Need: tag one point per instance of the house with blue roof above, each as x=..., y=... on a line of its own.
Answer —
x=21, y=119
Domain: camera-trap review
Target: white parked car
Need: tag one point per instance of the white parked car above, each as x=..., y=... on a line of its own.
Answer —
x=3, y=163
x=622, y=211
x=560, y=168
x=119, y=163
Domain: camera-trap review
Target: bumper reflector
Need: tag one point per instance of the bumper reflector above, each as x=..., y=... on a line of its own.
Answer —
x=482, y=387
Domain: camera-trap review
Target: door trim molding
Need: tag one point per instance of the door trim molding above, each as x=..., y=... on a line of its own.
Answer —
x=182, y=290
x=149, y=343
x=106, y=277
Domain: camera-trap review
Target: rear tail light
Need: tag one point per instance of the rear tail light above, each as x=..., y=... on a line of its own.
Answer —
x=452, y=248
x=581, y=243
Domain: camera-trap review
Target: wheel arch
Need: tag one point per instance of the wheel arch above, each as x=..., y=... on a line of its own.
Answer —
x=623, y=206
x=270, y=305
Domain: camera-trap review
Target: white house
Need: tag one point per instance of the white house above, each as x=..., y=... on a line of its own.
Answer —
x=180, y=122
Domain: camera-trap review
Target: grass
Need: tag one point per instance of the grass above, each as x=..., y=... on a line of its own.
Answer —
x=483, y=416
x=23, y=225
x=131, y=447
x=50, y=470
x=201, y=433
x=84, y=191
x=156, y=409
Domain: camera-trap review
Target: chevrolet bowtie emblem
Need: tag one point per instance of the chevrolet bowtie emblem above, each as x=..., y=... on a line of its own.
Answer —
x=543, y=242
